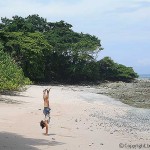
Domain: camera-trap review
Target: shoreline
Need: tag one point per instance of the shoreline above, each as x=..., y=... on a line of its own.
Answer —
x=80, y=119
x=136, y=94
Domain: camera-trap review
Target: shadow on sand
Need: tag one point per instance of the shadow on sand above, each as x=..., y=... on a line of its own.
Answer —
x=12, y=141
x=10, y=100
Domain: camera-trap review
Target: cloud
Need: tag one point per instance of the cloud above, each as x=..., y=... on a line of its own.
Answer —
x=122, y=25
x=54, y=8
x=135, y=6
x=82, y=10
x=144, y=62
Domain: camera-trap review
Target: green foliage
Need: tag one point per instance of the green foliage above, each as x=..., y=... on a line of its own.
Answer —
x=75, y=50
x=29, y=50
x=11, y=76
x=48, y=51
x=67, y=42
x=18, y=24
x=109, y=70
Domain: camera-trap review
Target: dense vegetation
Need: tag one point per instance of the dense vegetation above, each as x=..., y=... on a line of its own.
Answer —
x=11, y=75
x=49, y=51
x=109, y=70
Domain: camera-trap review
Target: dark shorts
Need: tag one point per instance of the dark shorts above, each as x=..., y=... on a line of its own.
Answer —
x=46, y=111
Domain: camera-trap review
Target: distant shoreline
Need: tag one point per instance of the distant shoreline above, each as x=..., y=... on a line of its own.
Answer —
x=144, y=76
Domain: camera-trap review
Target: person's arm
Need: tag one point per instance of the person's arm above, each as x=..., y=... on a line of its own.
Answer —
x=46, y=126
x=44, y=95
x=48, y=103
x=48, y=93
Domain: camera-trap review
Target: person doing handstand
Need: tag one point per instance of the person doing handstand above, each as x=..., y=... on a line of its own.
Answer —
x=46, y=111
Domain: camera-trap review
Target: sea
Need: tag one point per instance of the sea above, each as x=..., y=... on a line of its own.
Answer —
x=144, y=76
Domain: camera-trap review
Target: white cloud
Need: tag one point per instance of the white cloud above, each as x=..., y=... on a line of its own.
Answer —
x=144, y=62
x=54, y=8
x=86, y=10
x=118, y=23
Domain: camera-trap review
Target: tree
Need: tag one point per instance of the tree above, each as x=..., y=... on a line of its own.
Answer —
x=52, y=51
x=126, y=74
x=109, y=70
x=63, y=57
x=32, y=23
x=75, y=50
x=11, y=75
x=29, y=50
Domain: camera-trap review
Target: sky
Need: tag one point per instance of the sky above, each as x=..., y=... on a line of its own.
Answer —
x=123, y=26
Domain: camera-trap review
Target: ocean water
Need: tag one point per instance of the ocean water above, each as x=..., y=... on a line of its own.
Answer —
x=144, y=76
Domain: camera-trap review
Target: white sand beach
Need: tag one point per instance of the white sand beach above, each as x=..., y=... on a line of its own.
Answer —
x=81, y=119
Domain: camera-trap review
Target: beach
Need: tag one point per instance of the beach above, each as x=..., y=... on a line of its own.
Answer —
x=82, y=118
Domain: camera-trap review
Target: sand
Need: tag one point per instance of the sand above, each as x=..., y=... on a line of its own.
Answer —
x=81, y=119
